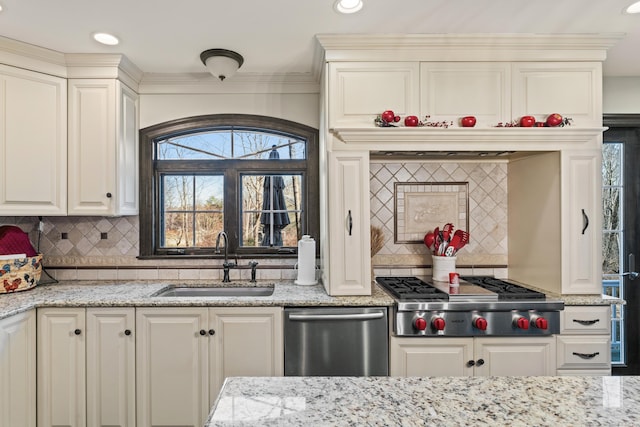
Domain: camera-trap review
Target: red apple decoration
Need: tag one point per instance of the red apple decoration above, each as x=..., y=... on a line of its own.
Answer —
x=468, y=121
x=389, y=116
x=554, y=119
x=527, y=121
x=411, y=121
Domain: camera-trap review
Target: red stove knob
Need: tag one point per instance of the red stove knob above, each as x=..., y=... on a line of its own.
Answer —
x=480, y=323
x=541, y=323
x=438, y=323
x=522, y=323
x=420, y=324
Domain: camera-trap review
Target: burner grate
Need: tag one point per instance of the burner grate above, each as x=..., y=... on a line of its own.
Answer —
x=411, y=288
x=505, y=290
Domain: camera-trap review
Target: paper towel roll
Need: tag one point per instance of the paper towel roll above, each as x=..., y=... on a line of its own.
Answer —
x=306, y=261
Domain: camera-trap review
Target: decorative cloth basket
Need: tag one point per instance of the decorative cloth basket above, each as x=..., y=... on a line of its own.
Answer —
x=20, y=274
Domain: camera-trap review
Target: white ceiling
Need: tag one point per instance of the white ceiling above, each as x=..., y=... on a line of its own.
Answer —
x=277, y=36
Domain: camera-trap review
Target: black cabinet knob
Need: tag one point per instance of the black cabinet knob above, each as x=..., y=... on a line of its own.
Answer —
x=203, y=332
x=127, y=332
x=480, y=362
x=108, y=195
x=212, y=332
x=471, y=363
x=77, y=332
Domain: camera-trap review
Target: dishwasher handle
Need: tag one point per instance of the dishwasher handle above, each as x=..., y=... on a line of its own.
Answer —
x=354, y=316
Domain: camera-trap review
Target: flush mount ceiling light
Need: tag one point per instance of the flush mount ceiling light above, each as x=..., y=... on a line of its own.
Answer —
x=222, y=63
x=105, y=38
x=348, y=6
x=633, y=8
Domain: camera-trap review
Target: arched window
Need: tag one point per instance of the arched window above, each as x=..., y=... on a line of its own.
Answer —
x=254, y=177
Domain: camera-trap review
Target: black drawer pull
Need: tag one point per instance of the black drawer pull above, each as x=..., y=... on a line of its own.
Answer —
x=585, y=355
x=586, y=322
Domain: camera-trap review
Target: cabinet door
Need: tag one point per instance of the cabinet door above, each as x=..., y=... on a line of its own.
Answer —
x=110, y=367
x=247, y=342
x=33, y=143
x=581, y=220
x=172, y=377
x=92, y=125
x=360, y=91
x=347, y=255
x=103, y=148
x=18, y=370
x=61, y=367
x=573, y=89
x=515, y=356
x=424, y=357
x=451, y=90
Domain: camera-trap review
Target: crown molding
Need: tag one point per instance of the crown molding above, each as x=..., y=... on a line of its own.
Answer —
x=467, y=47
x=99, y=65
x=23, y=55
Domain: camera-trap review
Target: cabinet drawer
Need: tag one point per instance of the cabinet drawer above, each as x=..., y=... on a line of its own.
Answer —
x=586, y=320
x=584, y=352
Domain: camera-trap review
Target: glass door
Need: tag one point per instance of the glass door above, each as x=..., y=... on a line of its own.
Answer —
x=621, y=204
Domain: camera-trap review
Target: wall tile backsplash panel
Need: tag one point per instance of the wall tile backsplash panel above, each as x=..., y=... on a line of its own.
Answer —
x=487, y=208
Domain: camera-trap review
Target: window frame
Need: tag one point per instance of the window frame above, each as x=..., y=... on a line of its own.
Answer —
x=232, y=169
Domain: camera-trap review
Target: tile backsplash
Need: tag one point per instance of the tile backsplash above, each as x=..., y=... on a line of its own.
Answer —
x=94, y=248
x=487, y=208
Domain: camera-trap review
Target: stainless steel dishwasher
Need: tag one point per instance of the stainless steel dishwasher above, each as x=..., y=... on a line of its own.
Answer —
x=344, y=341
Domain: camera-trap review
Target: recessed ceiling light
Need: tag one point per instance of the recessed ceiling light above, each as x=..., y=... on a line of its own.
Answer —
x=633, y=8
x=105, y=38
x=348, y=6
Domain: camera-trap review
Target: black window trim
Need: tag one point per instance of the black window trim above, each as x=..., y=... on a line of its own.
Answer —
x=150, y=169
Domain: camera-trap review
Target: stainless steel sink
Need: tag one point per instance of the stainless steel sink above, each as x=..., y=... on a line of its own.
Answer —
x=222, y=291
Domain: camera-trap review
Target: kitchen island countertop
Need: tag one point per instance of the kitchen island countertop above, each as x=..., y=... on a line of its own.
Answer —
x=442, y=401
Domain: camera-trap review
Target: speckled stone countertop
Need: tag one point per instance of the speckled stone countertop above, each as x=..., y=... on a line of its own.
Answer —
x=443, y=401
x=140, y=294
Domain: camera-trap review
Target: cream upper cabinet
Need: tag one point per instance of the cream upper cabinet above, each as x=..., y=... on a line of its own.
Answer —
x=103, y=148
x=359, y=91
x=572, y=89
x=451, y=90
x=503, y=356
x=18, y=370
x=33, y=143
x=346, y=253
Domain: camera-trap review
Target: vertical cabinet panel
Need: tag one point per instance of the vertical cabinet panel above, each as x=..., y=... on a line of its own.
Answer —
x=359, y=91
x=33, y=143
x=349, y=260
x=581, y=222
x=127, y=125
x=172, y=367
x=61, y=367
x=571, y=89
x=18, y=370
x=111, y=367
x=449, y=91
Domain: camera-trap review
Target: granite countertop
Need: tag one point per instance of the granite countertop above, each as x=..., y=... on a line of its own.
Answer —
x=139, y=294
x=442, y=401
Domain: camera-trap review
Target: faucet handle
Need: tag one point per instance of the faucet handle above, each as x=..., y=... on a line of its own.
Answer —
x=253, y=264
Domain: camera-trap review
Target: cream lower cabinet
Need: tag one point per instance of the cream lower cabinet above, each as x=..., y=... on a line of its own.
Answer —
x=18, y=370
x=33, y=143
x=85, y=360
x=346, y=253
x=584, y=343
x=184, y=355
x=502, y=356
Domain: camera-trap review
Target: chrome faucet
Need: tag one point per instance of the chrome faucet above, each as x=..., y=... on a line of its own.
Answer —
x=226, y=265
